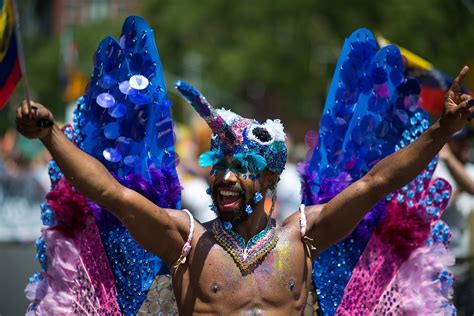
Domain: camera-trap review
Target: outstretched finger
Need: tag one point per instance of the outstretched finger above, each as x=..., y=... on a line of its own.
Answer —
x=456, y=86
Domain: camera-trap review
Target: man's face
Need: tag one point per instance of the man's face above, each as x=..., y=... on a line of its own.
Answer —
x=232, y=187
x=460, y=148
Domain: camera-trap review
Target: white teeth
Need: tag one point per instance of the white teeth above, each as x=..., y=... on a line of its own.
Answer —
x=229, y=193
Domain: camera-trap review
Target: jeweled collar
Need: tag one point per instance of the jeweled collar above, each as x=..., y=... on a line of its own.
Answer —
x=246, y=256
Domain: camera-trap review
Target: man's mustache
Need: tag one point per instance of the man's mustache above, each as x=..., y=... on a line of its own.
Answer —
x=235, y=187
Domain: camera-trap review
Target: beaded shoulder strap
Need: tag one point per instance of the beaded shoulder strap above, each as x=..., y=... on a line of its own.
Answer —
x=308, y=242
x=188, y=244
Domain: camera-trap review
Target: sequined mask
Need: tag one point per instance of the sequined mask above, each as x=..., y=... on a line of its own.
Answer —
x=253, y=144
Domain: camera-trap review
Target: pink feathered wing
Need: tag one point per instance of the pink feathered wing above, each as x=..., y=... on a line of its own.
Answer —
x=78, y=279
x=381, y=280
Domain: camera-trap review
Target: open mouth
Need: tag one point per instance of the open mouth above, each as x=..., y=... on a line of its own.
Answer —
x=229, y=199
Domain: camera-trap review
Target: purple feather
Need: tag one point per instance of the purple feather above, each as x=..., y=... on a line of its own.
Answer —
x=163, y=189
x=307, y=180
x=328, y=189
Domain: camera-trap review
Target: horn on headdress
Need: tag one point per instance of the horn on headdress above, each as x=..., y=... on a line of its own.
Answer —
x=217, y=124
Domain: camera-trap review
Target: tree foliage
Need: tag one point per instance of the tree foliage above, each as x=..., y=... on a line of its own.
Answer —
x=276, y=58
x=268, y=58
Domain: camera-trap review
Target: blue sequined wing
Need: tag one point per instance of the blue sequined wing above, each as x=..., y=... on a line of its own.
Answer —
x=124, y=121
x=369, y=106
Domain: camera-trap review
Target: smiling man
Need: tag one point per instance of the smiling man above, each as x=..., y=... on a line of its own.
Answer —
x=242, y=262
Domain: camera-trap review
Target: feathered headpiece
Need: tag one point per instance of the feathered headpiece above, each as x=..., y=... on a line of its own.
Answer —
x=256, y=145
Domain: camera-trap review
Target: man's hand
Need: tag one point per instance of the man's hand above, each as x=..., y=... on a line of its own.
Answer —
x=457, y=107
x=28, y=123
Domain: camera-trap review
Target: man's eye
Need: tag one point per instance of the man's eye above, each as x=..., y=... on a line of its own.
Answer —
x=238, y=167
x=220, y=166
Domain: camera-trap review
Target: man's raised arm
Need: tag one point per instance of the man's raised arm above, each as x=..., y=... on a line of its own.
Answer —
x=333, y=221
x=147, y=222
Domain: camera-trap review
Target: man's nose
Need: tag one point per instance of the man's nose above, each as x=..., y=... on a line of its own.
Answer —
x=230, y=176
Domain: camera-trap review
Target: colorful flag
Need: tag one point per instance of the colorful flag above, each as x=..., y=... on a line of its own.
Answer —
x=10, y=70
x=434, y=83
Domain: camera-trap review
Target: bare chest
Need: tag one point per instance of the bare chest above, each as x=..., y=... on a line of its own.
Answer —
x=213, y=278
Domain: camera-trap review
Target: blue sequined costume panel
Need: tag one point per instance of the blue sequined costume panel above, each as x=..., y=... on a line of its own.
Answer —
x=124, y=121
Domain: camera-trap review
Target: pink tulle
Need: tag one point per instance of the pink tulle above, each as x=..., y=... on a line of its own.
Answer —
x=422, y=293
x=64, y=256
x=416, y=290
x=36, y=291
x=58, y=283
x=78, y=279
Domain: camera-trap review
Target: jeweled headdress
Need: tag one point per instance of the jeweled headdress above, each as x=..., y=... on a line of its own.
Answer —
x=256, y=145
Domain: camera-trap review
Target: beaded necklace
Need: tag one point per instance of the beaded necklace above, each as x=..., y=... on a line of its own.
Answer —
x=246, y=256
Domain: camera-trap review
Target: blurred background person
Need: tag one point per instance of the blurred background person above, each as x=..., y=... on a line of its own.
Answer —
x=456, y=167
x=23, y=184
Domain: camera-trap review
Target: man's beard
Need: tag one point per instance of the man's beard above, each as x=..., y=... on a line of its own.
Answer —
x=233, y=217
x=237, y=220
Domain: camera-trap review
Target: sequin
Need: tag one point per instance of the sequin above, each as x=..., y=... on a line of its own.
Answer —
x=138, y=82
x=112, y=155
x=140, y=98
x=105, y=100
x=107, y=82
x=111, y=131
x=125, y=88
x=248, y=209
x=131, y=160
x=47, y=215
x=159, y=294
x=118, y=110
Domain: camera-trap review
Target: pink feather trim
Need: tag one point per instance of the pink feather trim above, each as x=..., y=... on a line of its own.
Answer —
x=70, y=208
x=403, y=230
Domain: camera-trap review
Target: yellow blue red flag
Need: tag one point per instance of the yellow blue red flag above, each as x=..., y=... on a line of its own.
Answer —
x=10, y=70
x=434, y=83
